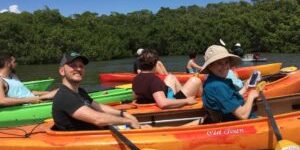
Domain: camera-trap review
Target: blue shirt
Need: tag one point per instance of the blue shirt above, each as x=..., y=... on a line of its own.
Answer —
x=220, y=95
x=236, y=81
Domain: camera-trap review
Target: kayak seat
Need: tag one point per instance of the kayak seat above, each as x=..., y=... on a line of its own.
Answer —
x=296, y=107
x=273, y=77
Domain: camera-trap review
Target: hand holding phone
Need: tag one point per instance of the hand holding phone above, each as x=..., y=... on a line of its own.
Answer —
x=255, y=77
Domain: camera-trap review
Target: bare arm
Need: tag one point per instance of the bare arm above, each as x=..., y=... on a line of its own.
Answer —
x=105, y=109
x=195, y=65
x=112, y=111
x=100, y=119
x=39, y=93
x=160, y=68
x=244, y=111
x=165, y=103
x=45, y=94
x=7, y=101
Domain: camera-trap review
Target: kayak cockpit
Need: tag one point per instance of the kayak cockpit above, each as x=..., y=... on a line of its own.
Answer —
x=157, y=119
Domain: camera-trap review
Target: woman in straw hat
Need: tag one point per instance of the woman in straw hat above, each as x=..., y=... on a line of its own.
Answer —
x=219, y=93
x=149, y=88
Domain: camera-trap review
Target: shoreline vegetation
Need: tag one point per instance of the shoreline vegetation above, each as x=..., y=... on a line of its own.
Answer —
x=260, y=26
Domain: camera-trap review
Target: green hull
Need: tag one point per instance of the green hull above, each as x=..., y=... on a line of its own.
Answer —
x=36, y=113
x=39, y=85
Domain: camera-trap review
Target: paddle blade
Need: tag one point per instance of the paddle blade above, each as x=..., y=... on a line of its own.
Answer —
x=261, y=85
x=124, y=86
x=222, y=42
x=289, y=69
x=287, y=145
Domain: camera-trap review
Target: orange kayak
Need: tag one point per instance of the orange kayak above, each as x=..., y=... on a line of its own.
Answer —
x=166, y=134
x=286, y=85
x=282, y=84
x=243, y=72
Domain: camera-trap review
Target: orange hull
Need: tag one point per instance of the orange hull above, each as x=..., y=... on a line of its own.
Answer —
x=244, y=134
x=243, y=72
x=284, y=86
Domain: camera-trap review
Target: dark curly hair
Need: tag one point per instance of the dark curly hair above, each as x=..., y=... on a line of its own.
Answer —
x=4, y=57
x=148, y=59
x=193, y=55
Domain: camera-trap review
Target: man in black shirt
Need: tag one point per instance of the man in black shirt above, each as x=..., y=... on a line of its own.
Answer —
x=73, y=109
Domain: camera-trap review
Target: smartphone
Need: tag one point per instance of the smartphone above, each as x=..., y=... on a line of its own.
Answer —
x=254, y=78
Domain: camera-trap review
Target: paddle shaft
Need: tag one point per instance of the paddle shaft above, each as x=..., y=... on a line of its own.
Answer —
x=172, y=120
x=121, y=137
x=271, y=117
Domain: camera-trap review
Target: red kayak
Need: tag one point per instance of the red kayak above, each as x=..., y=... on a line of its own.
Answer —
x=243, y=72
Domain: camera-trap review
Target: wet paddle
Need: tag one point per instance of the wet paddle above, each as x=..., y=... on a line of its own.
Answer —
x=122, y=138
x=282, y=144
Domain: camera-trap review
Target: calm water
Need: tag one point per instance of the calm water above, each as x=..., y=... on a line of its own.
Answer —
x=173, y=63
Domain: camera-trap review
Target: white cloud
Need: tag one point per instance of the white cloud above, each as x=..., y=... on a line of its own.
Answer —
x=12, y=9
x=3, y=10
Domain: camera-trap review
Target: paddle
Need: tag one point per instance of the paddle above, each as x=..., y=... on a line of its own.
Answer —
x=154, y=122
x=282, y=144
x=124, y=86
x=121, y=137
x=288, y=69
x=222, y=42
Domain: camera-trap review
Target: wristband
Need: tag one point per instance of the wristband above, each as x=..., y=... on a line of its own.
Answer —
x=122, y=113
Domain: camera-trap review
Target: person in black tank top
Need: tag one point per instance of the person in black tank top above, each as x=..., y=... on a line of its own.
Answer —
x=149, y=88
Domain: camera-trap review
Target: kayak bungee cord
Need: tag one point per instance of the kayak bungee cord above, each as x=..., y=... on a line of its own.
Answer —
x=25, y=135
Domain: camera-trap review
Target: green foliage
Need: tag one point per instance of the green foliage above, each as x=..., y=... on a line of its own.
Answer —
x=262, y=25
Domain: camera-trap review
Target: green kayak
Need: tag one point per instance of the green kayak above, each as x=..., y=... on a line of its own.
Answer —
x=39, y=85
x=36, y=113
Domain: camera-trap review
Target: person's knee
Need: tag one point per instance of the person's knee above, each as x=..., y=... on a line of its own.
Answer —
x=169, y=80
x=195, y=80
x=170, y=77
x=197, y=84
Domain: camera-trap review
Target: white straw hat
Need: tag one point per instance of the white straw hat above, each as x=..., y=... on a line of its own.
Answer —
x=139, y=51
x=217, y=52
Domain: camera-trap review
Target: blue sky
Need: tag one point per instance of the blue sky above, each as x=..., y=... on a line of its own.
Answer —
x=69, y=7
